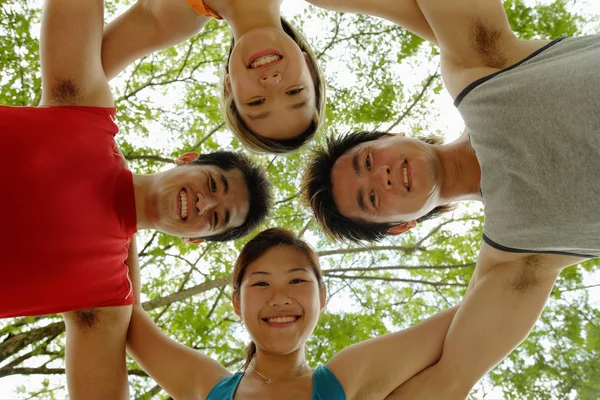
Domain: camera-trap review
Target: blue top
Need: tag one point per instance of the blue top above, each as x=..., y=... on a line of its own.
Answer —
x=325, y=386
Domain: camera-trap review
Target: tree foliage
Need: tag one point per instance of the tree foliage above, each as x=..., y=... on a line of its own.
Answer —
x=167, y=105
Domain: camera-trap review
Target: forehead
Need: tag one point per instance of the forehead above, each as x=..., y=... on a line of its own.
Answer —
x=279, y=260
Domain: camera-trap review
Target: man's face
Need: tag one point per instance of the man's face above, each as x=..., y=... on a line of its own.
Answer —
x=198, y=200
x=391, y=179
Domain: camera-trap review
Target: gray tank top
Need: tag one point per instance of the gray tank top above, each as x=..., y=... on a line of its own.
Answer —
x=535, y=128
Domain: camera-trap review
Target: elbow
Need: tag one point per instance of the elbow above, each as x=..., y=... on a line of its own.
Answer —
x=456, y=385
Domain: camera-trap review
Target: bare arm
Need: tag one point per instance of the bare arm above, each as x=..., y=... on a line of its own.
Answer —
x=147, y=26
x=405, y=13
x=381, y=364
x=184, y=373
x=95, y=353
x=497, y=314
x=70, y=43
x=95, y=349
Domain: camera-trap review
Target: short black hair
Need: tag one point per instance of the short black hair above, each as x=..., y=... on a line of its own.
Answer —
x=259, y=190
x=317, y=190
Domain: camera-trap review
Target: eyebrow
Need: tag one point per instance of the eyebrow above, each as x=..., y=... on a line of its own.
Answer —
x=227, y=218
x=268, y=273
x=361, y=202
x=259, y=116
x=356, y=164
x=225, y=183
x=360, y=195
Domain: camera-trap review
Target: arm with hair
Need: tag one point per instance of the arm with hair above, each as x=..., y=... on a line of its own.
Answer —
x=405, y=13
x=147, y=26
x=497, y=314
x=95, y=345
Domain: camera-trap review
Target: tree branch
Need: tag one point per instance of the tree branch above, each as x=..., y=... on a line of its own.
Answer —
x=400, y=267
x=149, y=157
x=404, y=249
x=22, y=340
x=187, y=293
x=381, y=278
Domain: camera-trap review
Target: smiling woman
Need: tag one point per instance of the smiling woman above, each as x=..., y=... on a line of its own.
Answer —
x=279, y=293
x=273, y=98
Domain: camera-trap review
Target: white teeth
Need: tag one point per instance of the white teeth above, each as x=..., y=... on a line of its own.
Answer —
x=405, y=171
x=281, y=320
x=184, y=205
x=265, y=60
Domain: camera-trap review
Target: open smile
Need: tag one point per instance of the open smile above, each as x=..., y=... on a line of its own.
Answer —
x=264, y=59
x=282, y=321
x=406, y=175
x=184, y=202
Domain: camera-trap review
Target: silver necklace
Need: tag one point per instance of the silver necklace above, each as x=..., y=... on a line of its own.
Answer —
x=269, y=380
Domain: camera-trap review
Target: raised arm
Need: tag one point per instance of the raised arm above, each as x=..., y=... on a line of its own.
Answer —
x=147, y=26
x=497, y=314
x=405, y=13
x=70, y=44
x=381, y=364
x=184, y=373
x=95, y=348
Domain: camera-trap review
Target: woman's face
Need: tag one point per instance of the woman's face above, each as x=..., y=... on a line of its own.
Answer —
x=271, y=84
x=279, y=300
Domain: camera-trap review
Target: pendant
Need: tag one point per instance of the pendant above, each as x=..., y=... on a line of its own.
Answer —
x=269, y=381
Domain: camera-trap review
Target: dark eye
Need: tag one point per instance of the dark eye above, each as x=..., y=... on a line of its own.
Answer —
x=297, y=280
x=368, y=162
x=260, y=284
x=213, y=185
x=294, y=92
x=256, y=102
x=372, y=198
x=215, y=219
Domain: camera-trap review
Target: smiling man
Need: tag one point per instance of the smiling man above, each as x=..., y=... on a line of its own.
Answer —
x=530, y=152
x=70, y=206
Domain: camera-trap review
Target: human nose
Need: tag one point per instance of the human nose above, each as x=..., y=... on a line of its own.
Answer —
x=384, y=176
x=203, y=203
x=279, y=298
x=271, y=79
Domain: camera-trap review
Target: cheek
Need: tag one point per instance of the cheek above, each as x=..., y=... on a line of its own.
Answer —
x=251, y=303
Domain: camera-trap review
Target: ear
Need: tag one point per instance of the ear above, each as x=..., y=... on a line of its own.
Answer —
x=323, y=296
x=401, y=228
x=227, y=87
x=191, y=241
x=235, y=301
x=187, y=158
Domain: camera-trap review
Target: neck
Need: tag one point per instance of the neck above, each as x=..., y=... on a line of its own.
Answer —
x=141, y=190
x=245, y=15
x=461, y=173
x=279, y=367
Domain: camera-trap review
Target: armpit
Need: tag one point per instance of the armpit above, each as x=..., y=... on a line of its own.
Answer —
x=86, y=319
x=487, y=43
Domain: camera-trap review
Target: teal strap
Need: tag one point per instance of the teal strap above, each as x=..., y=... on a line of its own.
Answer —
x=225, y=389
x=326, y=385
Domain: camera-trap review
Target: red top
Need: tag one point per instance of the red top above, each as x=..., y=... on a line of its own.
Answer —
x=67, y=211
